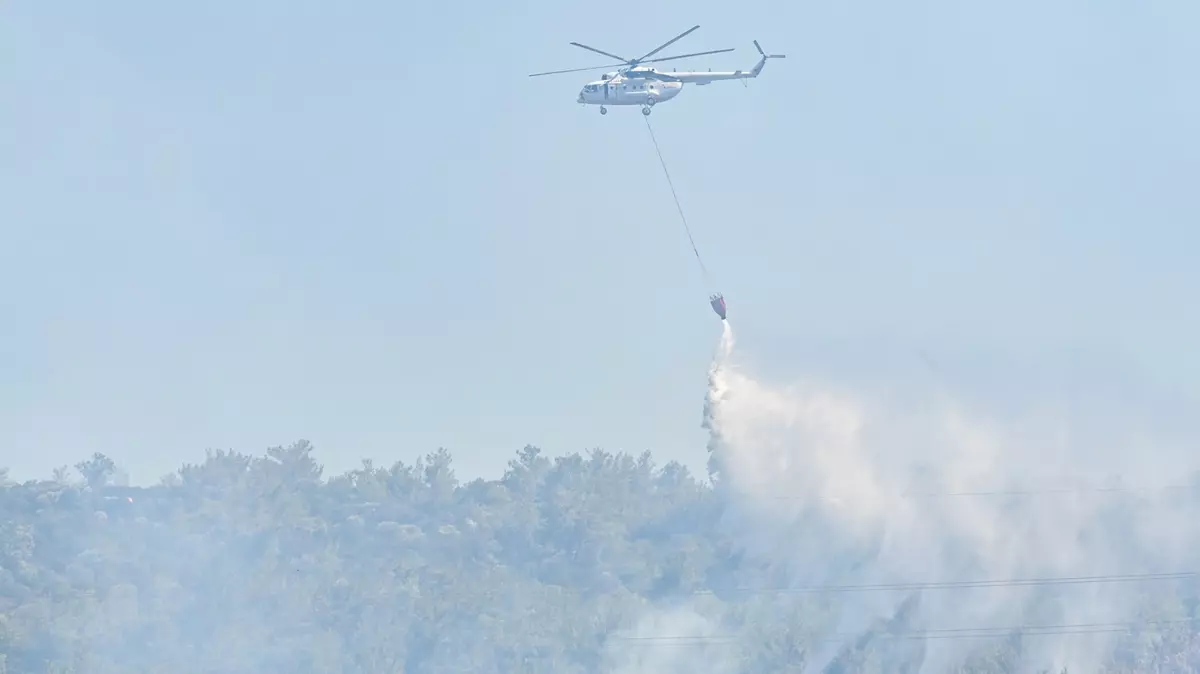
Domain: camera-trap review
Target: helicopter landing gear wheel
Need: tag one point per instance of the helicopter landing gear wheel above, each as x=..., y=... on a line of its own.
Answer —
x=603, y=110
x=646, y=110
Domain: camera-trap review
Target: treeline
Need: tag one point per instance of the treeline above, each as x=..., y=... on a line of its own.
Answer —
x=586, y=563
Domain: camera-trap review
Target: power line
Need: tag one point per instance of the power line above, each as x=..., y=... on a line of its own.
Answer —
x=1062, y=490
x=952, y=633
x=1051, y=491
x=963, y=584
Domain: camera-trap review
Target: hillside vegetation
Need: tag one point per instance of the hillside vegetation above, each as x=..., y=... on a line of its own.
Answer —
x=585, y=563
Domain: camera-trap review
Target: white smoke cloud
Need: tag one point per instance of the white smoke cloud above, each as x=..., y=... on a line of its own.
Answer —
x=841, y=486
x=695, y=644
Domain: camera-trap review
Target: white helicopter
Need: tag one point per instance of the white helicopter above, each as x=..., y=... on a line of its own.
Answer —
x=636, y=85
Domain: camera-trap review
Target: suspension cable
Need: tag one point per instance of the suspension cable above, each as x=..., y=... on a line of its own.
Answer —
x=703, y=269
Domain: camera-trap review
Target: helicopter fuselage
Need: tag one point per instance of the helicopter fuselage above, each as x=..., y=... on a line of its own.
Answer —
x=628, y=91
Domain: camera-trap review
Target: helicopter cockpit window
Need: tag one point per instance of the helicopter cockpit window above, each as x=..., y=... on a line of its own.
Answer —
x=590, y=87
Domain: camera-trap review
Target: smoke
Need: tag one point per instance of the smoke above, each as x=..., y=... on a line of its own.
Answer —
x=828, y=485
x=696, y=644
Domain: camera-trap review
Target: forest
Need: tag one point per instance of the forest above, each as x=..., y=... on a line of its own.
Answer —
x=594, y=562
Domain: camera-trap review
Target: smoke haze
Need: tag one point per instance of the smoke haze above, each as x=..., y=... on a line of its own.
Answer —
x=828, y=485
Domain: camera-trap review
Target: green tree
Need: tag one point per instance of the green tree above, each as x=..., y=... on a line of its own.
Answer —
x=249, y=564
x=97, y=471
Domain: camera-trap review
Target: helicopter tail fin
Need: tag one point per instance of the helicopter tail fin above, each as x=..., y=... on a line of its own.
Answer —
x=763, y=61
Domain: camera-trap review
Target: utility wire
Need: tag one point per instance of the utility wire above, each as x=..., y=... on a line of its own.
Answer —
x=944, y=633
x=1015, y=492
x=962, y=584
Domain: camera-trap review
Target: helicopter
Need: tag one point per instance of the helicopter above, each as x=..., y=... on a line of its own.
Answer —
x=634, y=84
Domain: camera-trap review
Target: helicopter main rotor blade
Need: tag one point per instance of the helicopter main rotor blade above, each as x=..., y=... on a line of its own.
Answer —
x=602, y=53
x=635, y=62
x=671, y=42
x=573, y=70
x=659, y=60
x=684, y=56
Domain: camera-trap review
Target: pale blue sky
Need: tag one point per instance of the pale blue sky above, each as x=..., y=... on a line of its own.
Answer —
x=237, y=224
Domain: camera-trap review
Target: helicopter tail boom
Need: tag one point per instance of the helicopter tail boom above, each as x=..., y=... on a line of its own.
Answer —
x=701, y=78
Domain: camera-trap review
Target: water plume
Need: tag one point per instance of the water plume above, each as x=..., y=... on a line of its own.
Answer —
x=824, y=484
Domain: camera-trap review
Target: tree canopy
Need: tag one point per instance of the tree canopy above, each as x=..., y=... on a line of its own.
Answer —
x=593, y=562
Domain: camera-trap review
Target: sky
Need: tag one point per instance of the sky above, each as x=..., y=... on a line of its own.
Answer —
x=235, y=225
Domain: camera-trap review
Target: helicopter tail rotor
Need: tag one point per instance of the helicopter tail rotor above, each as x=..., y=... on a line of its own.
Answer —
x=766, y=55
x=762, y=62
